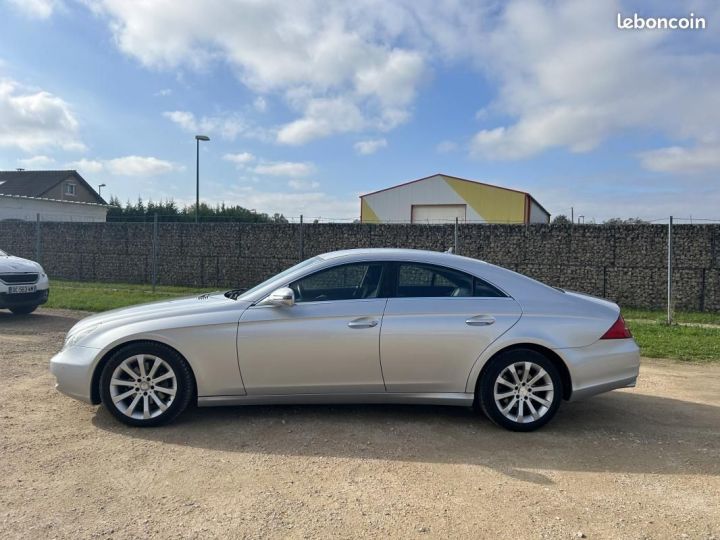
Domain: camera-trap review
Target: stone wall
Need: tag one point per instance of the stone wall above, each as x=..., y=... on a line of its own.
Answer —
x=627, y=263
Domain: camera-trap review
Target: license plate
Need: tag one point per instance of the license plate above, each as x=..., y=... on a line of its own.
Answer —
x=20, y=289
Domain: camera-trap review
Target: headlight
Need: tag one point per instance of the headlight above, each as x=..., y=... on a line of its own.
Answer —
x=73, y=339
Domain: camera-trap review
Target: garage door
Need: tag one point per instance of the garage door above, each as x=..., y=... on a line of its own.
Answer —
x=438, y=213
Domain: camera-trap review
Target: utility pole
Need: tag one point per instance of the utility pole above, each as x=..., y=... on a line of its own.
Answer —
x=198, y=138
x=669, y=271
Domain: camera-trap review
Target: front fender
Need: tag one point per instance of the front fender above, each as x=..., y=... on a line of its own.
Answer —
x=210, y=350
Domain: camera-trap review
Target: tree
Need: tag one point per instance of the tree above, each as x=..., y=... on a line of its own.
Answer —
x=168, y=211
x=628, y=221
x=561, y=219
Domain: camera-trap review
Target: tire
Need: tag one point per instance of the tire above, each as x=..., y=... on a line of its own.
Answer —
x=514, y=404
x=155, y=393
x=23, y=310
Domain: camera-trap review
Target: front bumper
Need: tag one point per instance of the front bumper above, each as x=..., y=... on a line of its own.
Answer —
x=24, y=299
x=73, y=370
x=605, y=365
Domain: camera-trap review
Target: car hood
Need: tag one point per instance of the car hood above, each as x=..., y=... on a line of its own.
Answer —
x=10, y=263
x=177, y=307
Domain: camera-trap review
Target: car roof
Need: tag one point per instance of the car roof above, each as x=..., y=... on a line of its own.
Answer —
x=517, y=285
x=397, y=254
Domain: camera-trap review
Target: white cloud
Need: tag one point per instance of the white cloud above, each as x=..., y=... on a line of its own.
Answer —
x=163, y=92
x=284, y=168
x=303, y=185
x=227, y=125
x=38, y=9
x=370, y=146
x=140, y=166
x=31, y=119
x=88, y=166
x=333, y=52
x=570, y=81
x=563, y=74
x=240, y=159
x=677, y=159
x=184, y=119
x=37, y=162
x=260, y=104
x=323, y=117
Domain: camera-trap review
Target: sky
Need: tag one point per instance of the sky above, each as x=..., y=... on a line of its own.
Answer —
x=310, y=103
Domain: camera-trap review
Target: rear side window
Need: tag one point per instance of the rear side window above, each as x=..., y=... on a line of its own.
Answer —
x=428, y=281
x=345, y=282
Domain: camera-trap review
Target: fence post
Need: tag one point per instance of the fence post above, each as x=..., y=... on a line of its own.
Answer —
x=154, y=251
x=669, y=271
x=455, y=249
x=38, y=247
x=302, y=240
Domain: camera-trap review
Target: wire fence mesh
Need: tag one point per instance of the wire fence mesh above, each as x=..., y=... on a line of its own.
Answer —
x=651, y=264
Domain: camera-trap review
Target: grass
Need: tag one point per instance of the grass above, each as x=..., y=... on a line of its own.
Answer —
x=687, y=343
x=678, y=317
x=656, y=339
x=104, y=296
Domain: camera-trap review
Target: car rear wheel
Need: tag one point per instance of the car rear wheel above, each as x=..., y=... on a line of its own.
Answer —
x=521, y=390
x=146, y=384
x=23, y=310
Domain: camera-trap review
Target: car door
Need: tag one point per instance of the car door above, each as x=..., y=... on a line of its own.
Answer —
x=436, y=326
x=327, y=342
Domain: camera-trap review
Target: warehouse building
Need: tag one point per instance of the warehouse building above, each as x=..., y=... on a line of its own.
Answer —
x=443, y=199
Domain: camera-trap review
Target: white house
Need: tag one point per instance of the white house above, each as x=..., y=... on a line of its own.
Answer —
x=53, y=195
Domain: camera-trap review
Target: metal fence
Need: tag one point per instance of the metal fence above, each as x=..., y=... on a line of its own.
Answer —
x=569, y=256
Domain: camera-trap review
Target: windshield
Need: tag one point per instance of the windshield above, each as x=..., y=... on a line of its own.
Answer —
x=282, y=274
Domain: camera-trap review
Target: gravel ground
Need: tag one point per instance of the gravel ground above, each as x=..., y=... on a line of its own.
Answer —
x=640, y=463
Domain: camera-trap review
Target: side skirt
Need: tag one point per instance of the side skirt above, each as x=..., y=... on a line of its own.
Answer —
x=427, y=398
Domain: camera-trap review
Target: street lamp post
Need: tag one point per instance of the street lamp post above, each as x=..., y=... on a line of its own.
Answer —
x=100, y=189
x=198, y=138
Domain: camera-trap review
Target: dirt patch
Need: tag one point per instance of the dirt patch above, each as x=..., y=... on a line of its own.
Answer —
x=640, y=463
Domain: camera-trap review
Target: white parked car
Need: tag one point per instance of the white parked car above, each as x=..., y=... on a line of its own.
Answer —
x=23, y=284
x=362, y=326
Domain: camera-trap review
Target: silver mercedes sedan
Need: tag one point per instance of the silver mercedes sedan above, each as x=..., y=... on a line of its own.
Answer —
x=356, y=326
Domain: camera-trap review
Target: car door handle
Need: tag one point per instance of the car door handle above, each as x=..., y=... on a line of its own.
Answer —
x=480, y=320
x=363, y=323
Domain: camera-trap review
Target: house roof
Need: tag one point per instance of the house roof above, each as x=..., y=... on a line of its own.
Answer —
x=461, y=179
x=36, y=184
x=2, y=195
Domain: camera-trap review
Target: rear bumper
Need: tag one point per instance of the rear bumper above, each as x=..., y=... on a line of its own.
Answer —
x=26, y=299
x=73, y=370
x=603, y=366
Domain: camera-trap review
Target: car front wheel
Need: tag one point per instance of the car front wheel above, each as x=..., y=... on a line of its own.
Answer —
x=146, y=384
x=520, y=390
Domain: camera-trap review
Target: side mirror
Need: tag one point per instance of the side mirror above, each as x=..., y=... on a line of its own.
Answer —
x=280, y=297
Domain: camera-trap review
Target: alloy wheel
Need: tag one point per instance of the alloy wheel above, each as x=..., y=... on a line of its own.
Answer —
x=523, y=392
x=143, y=386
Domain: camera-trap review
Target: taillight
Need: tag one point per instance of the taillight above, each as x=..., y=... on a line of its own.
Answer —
x=618, y=330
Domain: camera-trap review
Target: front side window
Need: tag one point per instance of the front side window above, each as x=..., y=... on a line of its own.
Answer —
x=345, y=282
x=428, y=281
